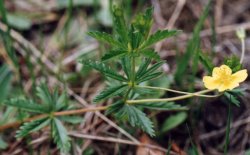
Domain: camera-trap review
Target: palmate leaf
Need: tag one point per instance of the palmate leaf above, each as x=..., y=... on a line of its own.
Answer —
x=60, y=135
x=114, y=54
x=120, y=25
x=111, y=92
x=101, y=67
x=33, y=126
x=162, y=106
x=135, y=37
x=143, y=22
x=136, y=118
x=158, y=36
x=44, y=94
x=104, y=37
x=27, y=105
x=150, y=53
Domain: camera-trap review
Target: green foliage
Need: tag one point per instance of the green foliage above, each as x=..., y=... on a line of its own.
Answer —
x=3, y=144
x=51, y=102
x=158, y=36
x=206, y=62
x=173, y=121
x=136, y=118
x=107, y=71
x=234, y=63
x=5, y=79
x=192, y=50
x=27, y=105
x=104, y=37
x=60, y=135
x=114, y=55
x=130, y=46
x=146, y=73
x=111, y=92
x=8, y=44
x=149, y=53
x=33, y=126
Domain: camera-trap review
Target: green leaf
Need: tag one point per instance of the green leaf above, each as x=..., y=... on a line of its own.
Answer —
x=33, y=126
x=60, y=135
x=135, y=38
x=142, y=73
x=113, y=54
x=44, y=94
x=27, y=105
x=120, y=25
x=150, y=53
x=61, y=4
x=104, y=37
x=158, y=36
x=126, y=66
x=234, y=63
x=206, y=62
x=5, y=81
x=101, y=67
x=173, y=121
x=113, y=108
x=162, y=106
x=19, y=21
x=136, y=118
x=3, y=144
x=71, y=119
x=192, y=49
x=232, y=98
x=61, y=102
x=143, y=67
x=149, y=77
x=143, y=22
x=110, y=92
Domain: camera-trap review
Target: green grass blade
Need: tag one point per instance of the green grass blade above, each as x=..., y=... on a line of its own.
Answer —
x=192, y=49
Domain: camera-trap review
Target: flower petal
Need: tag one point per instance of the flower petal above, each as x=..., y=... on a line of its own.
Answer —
x=228, y=86
x=211, y=82
x=240, y=76
x=221, y=71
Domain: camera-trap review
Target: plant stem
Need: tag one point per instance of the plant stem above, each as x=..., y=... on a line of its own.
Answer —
x=168, y=99
x=177, y=91
x=242, y=50
x=61, y=113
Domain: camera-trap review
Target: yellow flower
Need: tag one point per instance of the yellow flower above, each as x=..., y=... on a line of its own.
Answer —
x=223, y=79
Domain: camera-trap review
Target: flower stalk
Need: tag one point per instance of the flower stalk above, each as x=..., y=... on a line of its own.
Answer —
x=168, y=99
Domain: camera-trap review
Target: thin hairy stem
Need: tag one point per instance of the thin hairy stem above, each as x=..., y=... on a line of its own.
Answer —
x=61, y=113
x=177, y=91
x=168, y=99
